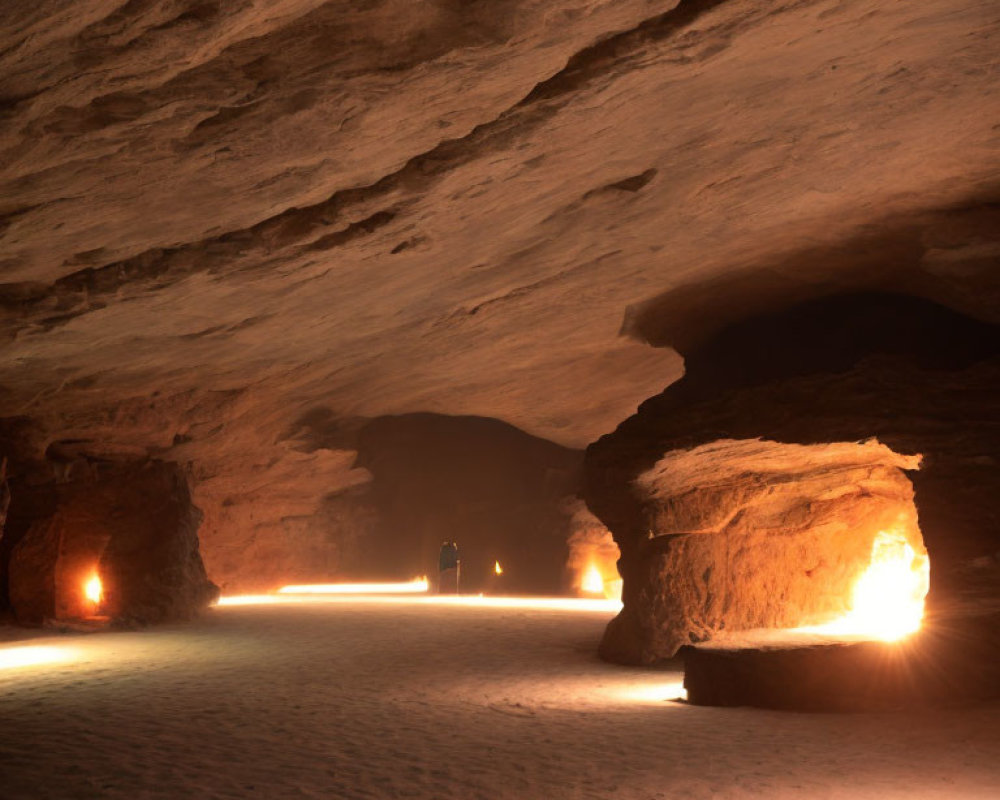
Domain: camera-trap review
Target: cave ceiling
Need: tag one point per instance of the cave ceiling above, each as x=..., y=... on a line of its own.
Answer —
x=219, y=217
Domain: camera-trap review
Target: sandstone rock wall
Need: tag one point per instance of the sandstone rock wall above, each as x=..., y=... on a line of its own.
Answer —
x=217, y=217
x=923, y=380
x=135, y=527
x=754, y=534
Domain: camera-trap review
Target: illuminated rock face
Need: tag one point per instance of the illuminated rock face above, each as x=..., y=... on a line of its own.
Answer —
x=219, y=217
x=751, y=534
x=132, y=525
x=720, y=530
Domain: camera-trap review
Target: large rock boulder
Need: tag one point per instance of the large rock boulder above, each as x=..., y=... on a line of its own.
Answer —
x=740, y=497
x=135, y=527
x=754, y=534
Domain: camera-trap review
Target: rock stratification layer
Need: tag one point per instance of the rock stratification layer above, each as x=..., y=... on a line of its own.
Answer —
x=745, y=494
x=219, y=218
x=753, y=534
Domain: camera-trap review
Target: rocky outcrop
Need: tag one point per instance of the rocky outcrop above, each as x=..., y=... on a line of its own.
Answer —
x=748, y=468
x=133, y=526
x=217, y=217
x=753, y=534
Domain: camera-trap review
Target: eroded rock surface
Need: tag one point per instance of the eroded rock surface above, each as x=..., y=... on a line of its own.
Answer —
x=132, y=525
x=219, y=217
x=753, y=534
x=920, y=379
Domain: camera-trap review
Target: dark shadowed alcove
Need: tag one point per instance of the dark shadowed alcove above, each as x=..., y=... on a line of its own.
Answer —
x=494, y=489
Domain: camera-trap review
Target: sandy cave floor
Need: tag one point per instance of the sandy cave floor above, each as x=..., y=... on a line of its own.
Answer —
x=394, y=699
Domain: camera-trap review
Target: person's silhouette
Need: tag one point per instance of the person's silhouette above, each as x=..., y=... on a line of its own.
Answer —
x=449, y=565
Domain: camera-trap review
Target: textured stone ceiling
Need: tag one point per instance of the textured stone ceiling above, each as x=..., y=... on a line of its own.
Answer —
x=216, y=217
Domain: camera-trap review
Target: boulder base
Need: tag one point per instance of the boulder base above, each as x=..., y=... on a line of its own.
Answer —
x=950, y=660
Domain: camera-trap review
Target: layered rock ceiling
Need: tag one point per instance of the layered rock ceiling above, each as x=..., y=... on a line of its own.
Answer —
x=233, y=233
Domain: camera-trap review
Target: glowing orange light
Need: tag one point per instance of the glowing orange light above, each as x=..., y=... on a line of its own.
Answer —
x=93, y=590
x=592, y=582
x=578, y=604
x=254, y=599
x=613, y=589
x=497, y=568
x=888, y=599
x=33, y=655
x=654, y=692
x=415, y=586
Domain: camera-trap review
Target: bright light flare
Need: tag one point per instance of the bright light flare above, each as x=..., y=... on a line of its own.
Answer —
x=613, y=589
x=888, y=599
x=256, y=600
x=539, y=603
x=497, y=569
x=416, y=586
x=32, y=656
x=592, y=582
x=577, y=604
x=655, y=693
x=93, y=590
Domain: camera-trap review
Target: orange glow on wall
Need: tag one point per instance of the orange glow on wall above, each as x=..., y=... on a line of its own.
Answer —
x=93, y=589
x=592, y=582
x=887, y=602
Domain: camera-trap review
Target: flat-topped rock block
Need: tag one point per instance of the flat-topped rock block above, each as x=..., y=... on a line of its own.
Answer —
x=748, y=494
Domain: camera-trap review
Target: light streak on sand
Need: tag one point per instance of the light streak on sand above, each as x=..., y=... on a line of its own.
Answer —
x=466, y=601
x=541, y=603
x=653, y=693
x=416, y=586
x=33, y=655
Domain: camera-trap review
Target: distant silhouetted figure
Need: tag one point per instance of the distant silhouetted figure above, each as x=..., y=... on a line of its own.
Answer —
x=450, y=565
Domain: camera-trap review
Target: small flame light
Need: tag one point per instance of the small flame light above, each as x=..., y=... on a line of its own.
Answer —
x=93, y=590
x=497, y=569
x=592, y=581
